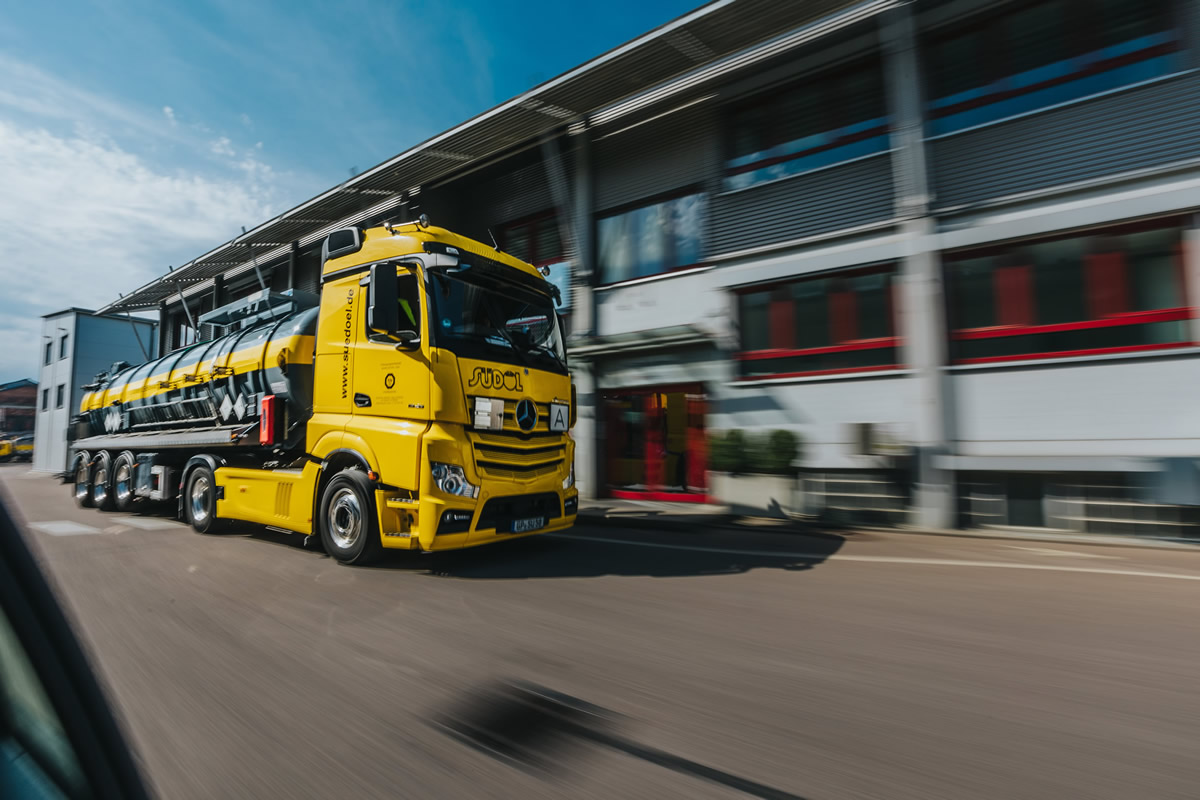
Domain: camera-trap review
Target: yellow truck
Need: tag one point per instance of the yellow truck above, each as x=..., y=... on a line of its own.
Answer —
x=421, y=402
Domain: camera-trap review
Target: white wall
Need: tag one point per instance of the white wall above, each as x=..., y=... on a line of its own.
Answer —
x=1139, y=407
x=50, y=427
x=686, y=299
x=822, y=412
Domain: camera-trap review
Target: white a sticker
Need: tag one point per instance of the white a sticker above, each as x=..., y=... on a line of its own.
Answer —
x=560, y=417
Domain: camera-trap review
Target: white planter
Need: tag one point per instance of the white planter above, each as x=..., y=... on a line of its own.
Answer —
x=757, y=495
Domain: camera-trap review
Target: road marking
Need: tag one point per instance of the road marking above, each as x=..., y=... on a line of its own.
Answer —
x=1049, y=551
x=63, y=528
x=929, y=562
x=149, y=523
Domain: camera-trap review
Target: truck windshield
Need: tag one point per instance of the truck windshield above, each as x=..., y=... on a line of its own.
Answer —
x=486, y=320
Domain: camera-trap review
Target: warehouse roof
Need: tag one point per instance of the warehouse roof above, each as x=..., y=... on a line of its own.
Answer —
x=681, y=54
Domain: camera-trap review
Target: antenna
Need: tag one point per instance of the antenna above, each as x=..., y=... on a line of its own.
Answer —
x=186, y=310
x=254, y=261
x=495, y=245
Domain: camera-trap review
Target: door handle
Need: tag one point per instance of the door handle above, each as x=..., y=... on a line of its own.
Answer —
x=362, y=400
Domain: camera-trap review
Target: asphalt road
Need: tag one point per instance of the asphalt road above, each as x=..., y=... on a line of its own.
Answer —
x=772, y=665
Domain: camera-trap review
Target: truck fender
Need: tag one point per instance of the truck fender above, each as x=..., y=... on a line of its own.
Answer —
x=336, y=451
x=211, y=461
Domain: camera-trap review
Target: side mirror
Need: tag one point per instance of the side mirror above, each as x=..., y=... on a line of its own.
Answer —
x=383, y=315
x=409, y=340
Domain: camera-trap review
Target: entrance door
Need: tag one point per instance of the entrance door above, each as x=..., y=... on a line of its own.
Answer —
x=655, y=447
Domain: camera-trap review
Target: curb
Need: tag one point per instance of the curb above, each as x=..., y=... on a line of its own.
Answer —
x=727, y=524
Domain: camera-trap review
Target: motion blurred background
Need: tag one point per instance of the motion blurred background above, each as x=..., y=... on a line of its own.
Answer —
x=948, y=245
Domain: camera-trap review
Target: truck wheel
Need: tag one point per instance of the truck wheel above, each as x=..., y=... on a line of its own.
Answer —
x=121, y=484
x=200, y=500
x=83, y=481
x=101, y=493
x=348, y=523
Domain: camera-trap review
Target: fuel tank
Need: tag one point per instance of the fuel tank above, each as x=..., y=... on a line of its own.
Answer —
x=212, y=384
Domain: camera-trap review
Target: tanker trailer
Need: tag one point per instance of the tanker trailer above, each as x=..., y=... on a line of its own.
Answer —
x=422, y=401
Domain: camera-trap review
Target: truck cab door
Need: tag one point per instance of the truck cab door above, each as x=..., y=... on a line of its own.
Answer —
x=391, y=371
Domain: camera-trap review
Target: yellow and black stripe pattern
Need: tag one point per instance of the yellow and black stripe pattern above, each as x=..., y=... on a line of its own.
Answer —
x=210, y=384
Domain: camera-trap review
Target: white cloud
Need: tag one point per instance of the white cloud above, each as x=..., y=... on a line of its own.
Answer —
x=245, y=118
x=81, y=219
x=97, y=197
x=222, y=147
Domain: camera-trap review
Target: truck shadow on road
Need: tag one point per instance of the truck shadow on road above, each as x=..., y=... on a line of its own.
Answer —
x=569, y=556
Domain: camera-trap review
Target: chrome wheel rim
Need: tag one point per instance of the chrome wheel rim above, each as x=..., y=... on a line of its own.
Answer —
x=81, y=482
x=199, y=501
x=124, y=482
x=100, y=486
x=344, y=520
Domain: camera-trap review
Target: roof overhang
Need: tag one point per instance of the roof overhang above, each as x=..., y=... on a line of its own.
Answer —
x=687, y=53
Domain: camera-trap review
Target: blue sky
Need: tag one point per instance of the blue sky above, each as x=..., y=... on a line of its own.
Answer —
x=136, y=134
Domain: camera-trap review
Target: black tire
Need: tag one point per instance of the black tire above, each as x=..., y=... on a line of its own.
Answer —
x=82, y=485
x=347, y=521
x=101, y=489
x=121, y=484
x=200, y=501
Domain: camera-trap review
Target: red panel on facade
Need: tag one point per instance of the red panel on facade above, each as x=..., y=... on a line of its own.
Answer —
x=1014, y=295
x=1107, y=289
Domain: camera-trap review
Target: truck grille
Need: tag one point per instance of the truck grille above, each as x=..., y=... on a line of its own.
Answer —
x=515, y=455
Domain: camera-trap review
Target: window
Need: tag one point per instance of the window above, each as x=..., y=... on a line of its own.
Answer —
x=536, y=240
x=1111, y=291
x=49, y=353
x=58, y=395
x=839, y=322
x=1032, y=55
x=408, y=298
x=182, y=334
x=651, y=239
x=45, y=399
x=826, y=119
x=62, y=348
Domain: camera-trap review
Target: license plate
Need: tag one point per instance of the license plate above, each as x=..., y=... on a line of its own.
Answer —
x=528, y=524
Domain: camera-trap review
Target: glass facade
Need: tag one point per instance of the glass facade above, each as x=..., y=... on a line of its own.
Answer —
x=1116, y=290
x=825, y=120
x=651, y=239
x=837, y=322
x=1027, y=56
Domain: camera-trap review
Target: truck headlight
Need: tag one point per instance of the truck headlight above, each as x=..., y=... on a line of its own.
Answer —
x=569, y=481
x=451, y=479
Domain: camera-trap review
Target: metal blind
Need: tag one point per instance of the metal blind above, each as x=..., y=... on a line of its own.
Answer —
x=1133, y=129
x=656, y=157
x=839, y=197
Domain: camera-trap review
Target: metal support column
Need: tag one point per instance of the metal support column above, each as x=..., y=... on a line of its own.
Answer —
x=1191, y=270
x=922, y=307
x=589, y=457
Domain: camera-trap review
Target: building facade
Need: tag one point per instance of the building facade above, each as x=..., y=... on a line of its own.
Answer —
x=952, y=244
x=18, y=401
x=76, y=346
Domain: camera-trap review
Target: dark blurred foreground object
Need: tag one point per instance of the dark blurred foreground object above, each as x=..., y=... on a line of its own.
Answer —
x=58, y=737
x=530, y=726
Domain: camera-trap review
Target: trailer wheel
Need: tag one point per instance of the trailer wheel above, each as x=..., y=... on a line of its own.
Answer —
x=200, y=500
x=83, y=481
x=347, y=522
x=121, y=483
x=101, y=491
